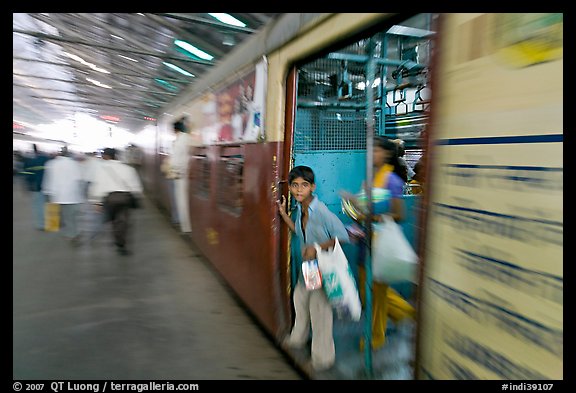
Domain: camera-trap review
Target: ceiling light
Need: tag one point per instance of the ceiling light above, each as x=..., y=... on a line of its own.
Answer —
x=81, y=60
x=96, y=68
x=117, y=37
x=192, y=49
x=229, y=40
x=128, y=58
x=228, y=19
x=167, y=85
x=176, y=68
x=100, y=84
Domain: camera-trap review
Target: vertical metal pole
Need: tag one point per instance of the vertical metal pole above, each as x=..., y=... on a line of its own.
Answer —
x=370, y=67
x=383, y=82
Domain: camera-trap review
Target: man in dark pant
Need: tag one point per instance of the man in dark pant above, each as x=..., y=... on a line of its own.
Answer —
x=113, y=185
x=117, y=207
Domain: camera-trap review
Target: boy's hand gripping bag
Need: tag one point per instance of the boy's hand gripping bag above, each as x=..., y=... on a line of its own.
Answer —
x=338, y=282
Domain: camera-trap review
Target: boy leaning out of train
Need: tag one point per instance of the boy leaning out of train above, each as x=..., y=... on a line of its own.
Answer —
x=313, y=223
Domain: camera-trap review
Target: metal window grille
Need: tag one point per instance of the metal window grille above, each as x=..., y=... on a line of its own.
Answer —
x=330, y=130
x=229, y=196
x=201, y=176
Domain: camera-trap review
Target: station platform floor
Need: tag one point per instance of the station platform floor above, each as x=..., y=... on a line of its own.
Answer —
x=83, y=312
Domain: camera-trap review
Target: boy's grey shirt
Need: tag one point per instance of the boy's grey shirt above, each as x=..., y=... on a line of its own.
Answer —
x=322, y=225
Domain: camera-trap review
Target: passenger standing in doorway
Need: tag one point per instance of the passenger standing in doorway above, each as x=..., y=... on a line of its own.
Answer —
x=407, y=172
x=313, y=223
x=111, y=185
x=417, y=182
x=179, y=168
x=386, y=302
x=63, y=184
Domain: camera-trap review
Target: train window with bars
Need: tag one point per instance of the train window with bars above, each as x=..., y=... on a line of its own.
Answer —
x=330, y=130
x=229, y=196
x=201, y=176
x=332, y=97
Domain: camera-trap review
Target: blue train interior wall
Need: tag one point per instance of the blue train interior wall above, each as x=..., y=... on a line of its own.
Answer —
x=333, y=143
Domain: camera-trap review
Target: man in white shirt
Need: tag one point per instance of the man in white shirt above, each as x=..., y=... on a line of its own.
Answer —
x=112, y=186
x=63, y=184
x=179, y=160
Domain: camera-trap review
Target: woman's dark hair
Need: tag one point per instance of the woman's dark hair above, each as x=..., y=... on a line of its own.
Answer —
x=305, y=172
x=386, y=143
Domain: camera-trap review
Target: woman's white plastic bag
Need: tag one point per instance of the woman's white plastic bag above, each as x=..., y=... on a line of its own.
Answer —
x=338, y=282
x=393, y=258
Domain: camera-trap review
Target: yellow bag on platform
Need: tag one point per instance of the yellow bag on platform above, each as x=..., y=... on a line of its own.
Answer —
x=52, y=217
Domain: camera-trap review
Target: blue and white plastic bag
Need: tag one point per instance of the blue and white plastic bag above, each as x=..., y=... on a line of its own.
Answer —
x=338, y=282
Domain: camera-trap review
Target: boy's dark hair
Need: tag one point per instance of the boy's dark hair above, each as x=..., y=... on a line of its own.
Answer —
x=305, y=172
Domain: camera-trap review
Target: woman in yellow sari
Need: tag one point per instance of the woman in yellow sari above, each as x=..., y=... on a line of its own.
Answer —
x=386, y=302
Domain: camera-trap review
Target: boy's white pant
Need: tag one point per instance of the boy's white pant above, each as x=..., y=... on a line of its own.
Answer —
x=181, y=196
x=312, y=307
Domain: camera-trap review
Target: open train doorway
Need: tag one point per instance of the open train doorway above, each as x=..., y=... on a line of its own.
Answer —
x=379, y=84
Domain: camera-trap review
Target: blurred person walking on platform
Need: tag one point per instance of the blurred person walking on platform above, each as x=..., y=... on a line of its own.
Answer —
x=93, y=217
x=313, y=223
x=134, y=157
x=112, y=186
x=63, y=185
x=33, y=171
x=17, y=165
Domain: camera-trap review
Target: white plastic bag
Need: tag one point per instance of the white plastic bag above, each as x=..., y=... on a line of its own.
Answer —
x=393, y=258
x=338, y=282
